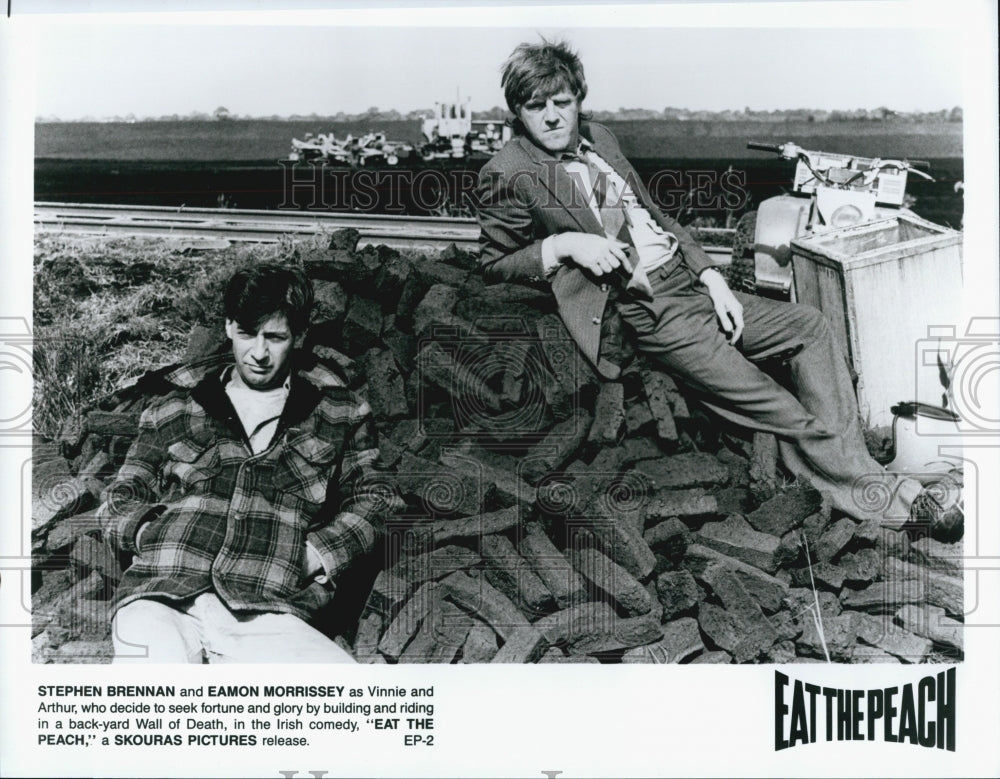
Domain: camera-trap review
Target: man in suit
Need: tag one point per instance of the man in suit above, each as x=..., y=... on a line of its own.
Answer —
x=560, y=205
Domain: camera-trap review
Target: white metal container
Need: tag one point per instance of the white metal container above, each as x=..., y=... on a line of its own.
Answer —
x=888, y=288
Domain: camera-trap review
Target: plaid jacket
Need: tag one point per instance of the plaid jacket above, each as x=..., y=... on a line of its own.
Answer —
x=224, y=519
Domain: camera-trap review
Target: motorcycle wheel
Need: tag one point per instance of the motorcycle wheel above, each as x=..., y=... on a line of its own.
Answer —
x=740, y=272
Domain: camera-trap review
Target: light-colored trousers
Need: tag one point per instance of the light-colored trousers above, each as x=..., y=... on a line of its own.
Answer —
x=148, y=631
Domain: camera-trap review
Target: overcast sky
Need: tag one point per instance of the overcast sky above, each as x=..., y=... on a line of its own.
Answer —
x=150, y=70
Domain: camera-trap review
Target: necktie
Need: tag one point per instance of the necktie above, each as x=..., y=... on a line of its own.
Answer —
x=615, y=220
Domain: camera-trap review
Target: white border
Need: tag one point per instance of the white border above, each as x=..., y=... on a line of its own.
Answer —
x=514, y=721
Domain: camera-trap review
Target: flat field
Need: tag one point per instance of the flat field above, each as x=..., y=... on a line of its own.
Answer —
x=259, y=139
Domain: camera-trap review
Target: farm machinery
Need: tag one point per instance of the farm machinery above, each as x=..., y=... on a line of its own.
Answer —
x=452, y=133
x=449, y=134
x=370, y=149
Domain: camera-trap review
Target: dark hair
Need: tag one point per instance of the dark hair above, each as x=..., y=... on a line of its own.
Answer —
x=255, y=294
x=544, y=68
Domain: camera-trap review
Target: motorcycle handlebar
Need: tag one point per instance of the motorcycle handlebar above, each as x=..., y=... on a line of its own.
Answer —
x=757, y=146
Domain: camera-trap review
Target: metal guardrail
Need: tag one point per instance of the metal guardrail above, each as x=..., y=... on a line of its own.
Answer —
x=258, y=226
x=423, y=233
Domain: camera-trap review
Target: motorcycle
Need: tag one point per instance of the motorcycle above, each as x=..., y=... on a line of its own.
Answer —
x=829, y=191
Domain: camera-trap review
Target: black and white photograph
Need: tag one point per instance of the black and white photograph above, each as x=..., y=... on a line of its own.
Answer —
x=444, y=343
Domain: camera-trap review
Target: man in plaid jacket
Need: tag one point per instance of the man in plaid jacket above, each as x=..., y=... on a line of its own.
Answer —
x=249, y=490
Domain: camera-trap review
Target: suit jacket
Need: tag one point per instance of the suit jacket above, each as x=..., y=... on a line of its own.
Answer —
x=526, y=195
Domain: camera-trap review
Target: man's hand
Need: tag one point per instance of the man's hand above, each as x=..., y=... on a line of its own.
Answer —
x=597, y=253
x=138, y=536
x=314, y=563
x=727, y=307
